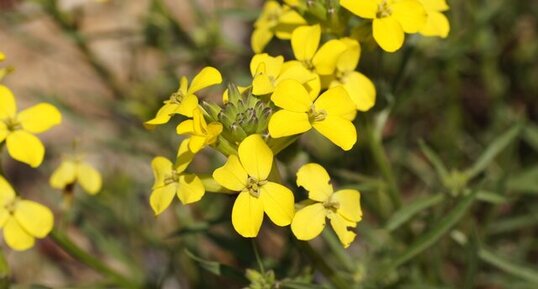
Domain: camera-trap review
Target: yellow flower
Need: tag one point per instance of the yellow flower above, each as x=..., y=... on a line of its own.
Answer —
x=359, y=88
x=269, y=71
x=274, y=19
x=342, y=208
x=184, y=101
x=75, y=170
x=437, y=24
x=18, y=129
x=2, y=56
x=247, y=174
x=22, y=220
x=201, y=133
x=391, y=19
x=330, y=114
x=171, y=180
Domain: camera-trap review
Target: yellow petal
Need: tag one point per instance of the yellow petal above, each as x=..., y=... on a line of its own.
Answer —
x=325, y=59
x=272, y=65
x=286, y=123
x=161, y=168
x=435, y=5
x=190, y=189
x=292, y=96
x=309, y=222
x=232, y=175
x=187, y=105
x=64, y=175
x=34, y=218
x=338, y=130
x=4, y=216
x=39, y=118
x=349, y=204
x=196, y=143
x=305, y=41
x=364, y=8
x=162, y=197
x=336, y=102
x=410, y=14
x=315, y=179
x=213, y=131
x=349, y=59
x=89, y=178
x=256, y=157
x=207, y=77
x=8, y=107
x=260, y=38
x=184, y=156
x=3, y=131
x=16, y=237
x=388, y=33
x=296, y=71
x=288, y=21
x=25, y=148
x=313, y=86
x=436, y=25
x=361, y=90
x=2, y=56
x=278, y=203
x=185, y=127
x=262, y=84
x=7, y=194
x=340, y=226
x=247, y=215
x=163, y=115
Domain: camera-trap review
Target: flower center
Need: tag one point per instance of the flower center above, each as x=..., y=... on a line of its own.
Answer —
x=331, y=205
x=383, y=10
x=177, y=97
x=171, y=178
x=316, y=115
x=12, y=124
x=254, y=186
x=10, y=206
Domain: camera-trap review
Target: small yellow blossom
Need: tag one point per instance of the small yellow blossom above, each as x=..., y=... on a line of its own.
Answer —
x=247, y=174
x=171, y=180
x=359, y=88
x=436, y=24
x=269, y=71
x=75, y=170
x=2, y=56
x=18, y=129
x=201, y=133
x=184, y=101
x=274, y=20
x=342, y=208
x=391, y=19
x=22, y=220
x=330, y=114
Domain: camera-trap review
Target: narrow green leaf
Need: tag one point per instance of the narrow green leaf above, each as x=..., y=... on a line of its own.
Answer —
x=513, y=224
x=491, y=197
x=404, y=214
x=519, y=270
x=524, y=182
x=530, y=135
x=217, y=268
x=494, y=148
x=438, y=231
x=434, y=159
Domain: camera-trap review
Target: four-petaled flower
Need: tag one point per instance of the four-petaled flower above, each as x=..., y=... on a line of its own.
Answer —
x=18, y=129
x=183, y=101
x=391, y=19
x=22, y=220
x=330, y=114
x=201, y=133
x=342, y=208
x=248, y=174
x=76, y=170
x=172, y=180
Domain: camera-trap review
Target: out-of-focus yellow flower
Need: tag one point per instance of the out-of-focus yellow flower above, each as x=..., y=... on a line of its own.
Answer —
x=247, y=174
x=22, y=220
x=342, y=208
x=184, y=101
x=274, y=20
x=391, y=19
x=75, y=170
x=18, y=129
x=359, y=88
x=2, y=56
x=201, y=133
x=269, y=71
x=330, y=114
x=171, y=180
x=436, y=24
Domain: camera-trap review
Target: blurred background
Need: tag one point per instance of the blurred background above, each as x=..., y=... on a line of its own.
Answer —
x=469, y=101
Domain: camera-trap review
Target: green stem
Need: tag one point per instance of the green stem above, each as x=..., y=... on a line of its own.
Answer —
x=78, y=253
x=320, y=263
x=258, y=258
x=338, y=250
x=4, y=271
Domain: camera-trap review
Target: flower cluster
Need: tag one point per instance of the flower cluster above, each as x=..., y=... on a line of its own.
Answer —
x=319, y=89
